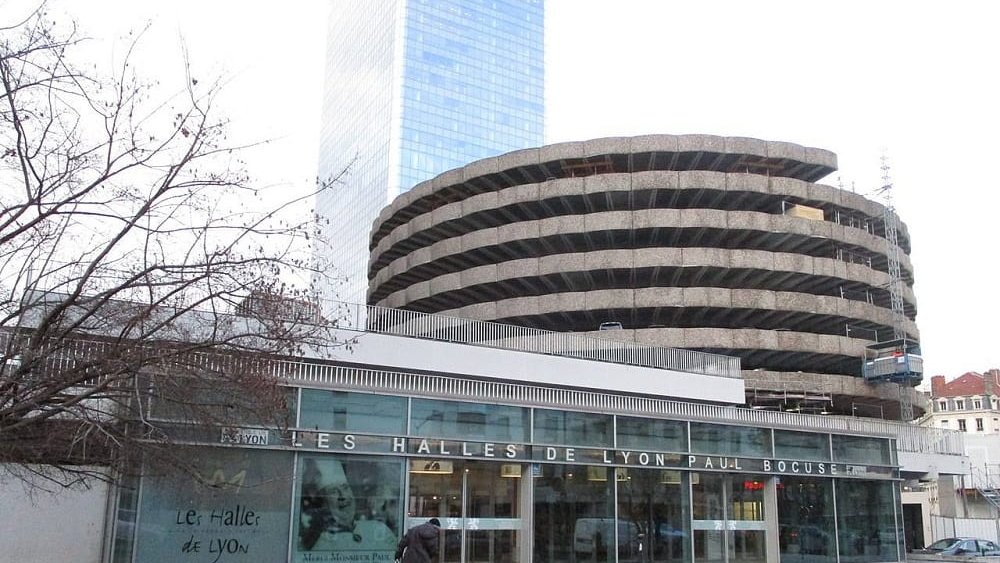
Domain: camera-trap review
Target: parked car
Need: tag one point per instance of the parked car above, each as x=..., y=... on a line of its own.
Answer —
x=961, y=546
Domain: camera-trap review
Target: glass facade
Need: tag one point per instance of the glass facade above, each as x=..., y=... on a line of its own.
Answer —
x=806, y=519
x=516, y=484
x=454, y=419
x=415, y=88
x=357, y=412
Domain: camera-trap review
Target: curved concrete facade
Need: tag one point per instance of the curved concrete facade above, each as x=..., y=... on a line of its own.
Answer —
x=720, y=244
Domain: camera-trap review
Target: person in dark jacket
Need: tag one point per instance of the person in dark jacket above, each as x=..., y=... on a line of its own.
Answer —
x=420, y=544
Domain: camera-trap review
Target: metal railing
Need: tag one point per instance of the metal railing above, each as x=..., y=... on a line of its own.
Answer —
x=399, y=322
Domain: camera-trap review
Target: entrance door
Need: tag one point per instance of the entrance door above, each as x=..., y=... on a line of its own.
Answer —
x=478, y=504
x=728, y=518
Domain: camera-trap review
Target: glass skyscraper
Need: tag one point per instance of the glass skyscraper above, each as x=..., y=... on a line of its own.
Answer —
x=415, y=88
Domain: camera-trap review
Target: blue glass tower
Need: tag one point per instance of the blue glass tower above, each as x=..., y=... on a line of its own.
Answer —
x=415, y=88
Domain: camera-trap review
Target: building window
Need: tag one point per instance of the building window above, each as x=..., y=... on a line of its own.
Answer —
x=944, y=423
x=860, y=449
x=647, y=434
x=979, y=425
x=942, y=405
x=977, y=404
x=730, y=440
x=960, y=405
x=961, y=425
x=801, y=445
x=347, y=411
x=573, y=428
x=461, y=420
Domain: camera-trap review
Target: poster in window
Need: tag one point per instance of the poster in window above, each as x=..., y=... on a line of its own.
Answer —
x=237, y=512
x=347, y=509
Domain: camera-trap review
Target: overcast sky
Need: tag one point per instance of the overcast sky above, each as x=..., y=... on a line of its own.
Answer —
x=916, y=80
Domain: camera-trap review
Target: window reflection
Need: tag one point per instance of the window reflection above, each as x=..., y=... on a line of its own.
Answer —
x=572, y=428
x=805, y=520
x=730, y=440
x=728, y=518
x=453, y=419
x=655, y=502
x=801, y=445
x=652, y=434
x=352, y=412
x=859, y=449
x=574, y=515
x=866, y=520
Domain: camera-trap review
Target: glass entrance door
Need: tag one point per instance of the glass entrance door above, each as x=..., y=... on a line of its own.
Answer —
x=728, y=518
x=478, y=504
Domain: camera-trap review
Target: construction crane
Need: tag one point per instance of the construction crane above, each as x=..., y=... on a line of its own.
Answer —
x=897, y=360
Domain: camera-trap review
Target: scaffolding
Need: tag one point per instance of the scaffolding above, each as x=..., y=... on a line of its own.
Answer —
x=898, y=360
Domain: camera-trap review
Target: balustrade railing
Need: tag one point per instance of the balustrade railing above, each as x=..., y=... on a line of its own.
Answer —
x=399, y=322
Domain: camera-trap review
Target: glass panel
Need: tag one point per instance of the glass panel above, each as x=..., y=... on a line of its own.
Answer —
x=801, y=445
x=708, y=517
x=730, y=440
x=652, y=434
x=656, y=501
x=352, y=412
x=492, y=516
x=747, y=530
x=728, y=518
x=866, y=520
x=574, y=515
x=128, y=498
x=805, y=520
x=859, y=449
x=470, y=421
x=477, y=502
x=573, y=428
x=439, y=495
x=291, y=406
x=241, y=512
x=348, y=509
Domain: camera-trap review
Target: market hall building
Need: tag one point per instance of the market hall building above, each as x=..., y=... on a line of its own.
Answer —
x=530, y=446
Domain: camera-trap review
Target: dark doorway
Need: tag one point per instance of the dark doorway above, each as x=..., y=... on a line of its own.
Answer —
x=913, y=526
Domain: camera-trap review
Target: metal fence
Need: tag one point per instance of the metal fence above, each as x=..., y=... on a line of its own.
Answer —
x=948, y=527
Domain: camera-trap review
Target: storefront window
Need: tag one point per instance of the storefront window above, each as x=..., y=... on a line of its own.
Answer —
x=728, y=520
x=866, y=520
x=347, y=509
x=730, y=440
x=573, y=428
x=801, y=445
x=352, y=412
x=709, y=515
x=806, y=529
x=859, y=449
x=656, y=503
x=238, y=512
x=574, y=515
x=469, y=421
x=652, y=434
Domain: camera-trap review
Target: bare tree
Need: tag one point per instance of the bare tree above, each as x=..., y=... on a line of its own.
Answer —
x=138, y=284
